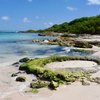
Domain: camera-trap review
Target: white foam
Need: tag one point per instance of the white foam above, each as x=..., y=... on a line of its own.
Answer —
x=67, y=49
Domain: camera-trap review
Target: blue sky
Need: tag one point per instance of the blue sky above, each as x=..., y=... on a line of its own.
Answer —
x=40, y=14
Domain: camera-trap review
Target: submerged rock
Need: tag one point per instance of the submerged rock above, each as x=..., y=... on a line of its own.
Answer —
x=14, y=75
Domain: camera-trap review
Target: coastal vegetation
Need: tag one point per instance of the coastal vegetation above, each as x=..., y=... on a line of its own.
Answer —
x=84, y=25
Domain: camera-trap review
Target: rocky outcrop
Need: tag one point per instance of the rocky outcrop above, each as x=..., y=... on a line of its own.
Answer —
x=66, y=41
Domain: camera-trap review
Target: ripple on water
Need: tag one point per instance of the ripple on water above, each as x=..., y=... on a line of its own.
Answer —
x=15, y=45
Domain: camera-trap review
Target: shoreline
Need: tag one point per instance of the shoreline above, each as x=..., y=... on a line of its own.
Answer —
x=12, y=90
x=74, y=91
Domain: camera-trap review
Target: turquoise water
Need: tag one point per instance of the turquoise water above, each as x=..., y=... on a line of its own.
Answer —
x=18, y=45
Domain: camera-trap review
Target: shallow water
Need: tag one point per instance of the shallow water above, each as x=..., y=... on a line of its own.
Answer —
x=14, y=46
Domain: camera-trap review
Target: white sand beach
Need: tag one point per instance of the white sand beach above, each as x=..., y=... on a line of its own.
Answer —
x=12, y=90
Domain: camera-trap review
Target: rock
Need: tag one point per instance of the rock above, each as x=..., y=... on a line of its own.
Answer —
x=68, y=83
x=38, y=84
x=24, y=60
x=82, y=44
x=16, y=64
x=14, y=75
x=85, y=82
x=53, y=85
x=21, y=79
x=97, y=80
x=70, y=79
x=20, y=72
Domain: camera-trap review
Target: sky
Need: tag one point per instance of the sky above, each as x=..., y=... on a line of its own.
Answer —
x=18, y=15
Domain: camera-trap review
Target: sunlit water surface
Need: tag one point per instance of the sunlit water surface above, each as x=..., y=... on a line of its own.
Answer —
x=14, y=46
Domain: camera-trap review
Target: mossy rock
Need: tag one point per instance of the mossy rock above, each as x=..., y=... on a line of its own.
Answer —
x=38, y=84
x=21, y=79
x=53, y=85
x=24, y=59
x=97, y=80
x=61, y=77
x=34, y=91
x=70, y=79
x=49, y=75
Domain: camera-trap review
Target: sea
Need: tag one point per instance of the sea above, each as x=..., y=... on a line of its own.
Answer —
x=14, y=46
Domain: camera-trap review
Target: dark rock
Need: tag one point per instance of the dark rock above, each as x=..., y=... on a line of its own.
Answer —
x=16, y=64
x=38, y=84
x=21, y=79
x=14, y=75
x=24, y=60
x=53, y=85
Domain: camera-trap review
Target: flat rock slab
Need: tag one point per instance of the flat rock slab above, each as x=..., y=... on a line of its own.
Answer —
x=86, y=65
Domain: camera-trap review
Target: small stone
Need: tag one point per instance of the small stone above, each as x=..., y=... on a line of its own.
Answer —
x=53, y=85
x=24, y=59
x=16, y=64
x=21, y=79
x=97, y=80
x=14, y=75
x=85, y=82
x=38, y=84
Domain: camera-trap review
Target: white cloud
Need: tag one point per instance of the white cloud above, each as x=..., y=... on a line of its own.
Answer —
x=26, y=20
x=5, y=18
x=30, y=0
x=93, y=2
x=70, y=8
x=49, y=24
x=37, y=17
